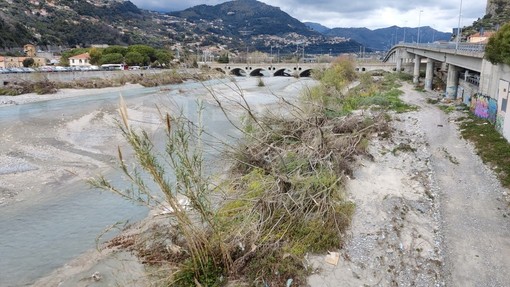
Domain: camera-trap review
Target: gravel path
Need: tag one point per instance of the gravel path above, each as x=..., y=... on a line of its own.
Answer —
x=429, y=212
x=475, y=224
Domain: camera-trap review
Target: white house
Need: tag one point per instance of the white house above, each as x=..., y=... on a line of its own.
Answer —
x=81, y=60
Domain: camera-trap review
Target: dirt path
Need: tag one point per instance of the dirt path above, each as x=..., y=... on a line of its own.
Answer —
x=475, y=225
x=429, y=213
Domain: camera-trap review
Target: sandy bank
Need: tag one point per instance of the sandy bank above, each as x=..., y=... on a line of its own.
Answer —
x=61, y=94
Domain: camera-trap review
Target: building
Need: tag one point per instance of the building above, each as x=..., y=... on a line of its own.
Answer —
x=30, y=50
x=9, y=62
x=81, y=60
x=17, y=62
x=480, y=38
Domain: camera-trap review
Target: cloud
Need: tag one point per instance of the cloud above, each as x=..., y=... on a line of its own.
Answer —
x=440, y=14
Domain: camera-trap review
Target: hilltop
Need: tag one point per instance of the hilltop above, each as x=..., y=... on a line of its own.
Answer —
x=382, y=39
x=496, y=14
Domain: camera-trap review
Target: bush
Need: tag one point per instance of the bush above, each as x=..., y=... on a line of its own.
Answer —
x=497, y=50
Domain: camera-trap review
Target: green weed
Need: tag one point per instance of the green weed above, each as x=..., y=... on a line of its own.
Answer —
x=493, y=148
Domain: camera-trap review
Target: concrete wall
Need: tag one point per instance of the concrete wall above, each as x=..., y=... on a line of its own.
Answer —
x=492, y=99
x=70, y=76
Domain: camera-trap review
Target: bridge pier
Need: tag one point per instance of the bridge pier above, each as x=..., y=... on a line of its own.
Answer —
x=429, y=74
x=416, y=73
x=452, y=82
x=399, y=61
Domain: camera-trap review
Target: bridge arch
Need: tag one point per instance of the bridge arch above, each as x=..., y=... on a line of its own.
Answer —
x=257, y=72
x=238, y=72
x=282, y=73
x=306, y=73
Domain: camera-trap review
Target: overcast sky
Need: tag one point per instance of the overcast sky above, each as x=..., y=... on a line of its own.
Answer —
x=439, y=14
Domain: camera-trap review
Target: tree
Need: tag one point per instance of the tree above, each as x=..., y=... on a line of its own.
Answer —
x=28, y=62
x=134, y=59
x=95, y=56
x=147, y=52
x=113, y=58
x=115, y=50
x=340, y=74
x=163, y=57
x=497, y=50
x=224, y=59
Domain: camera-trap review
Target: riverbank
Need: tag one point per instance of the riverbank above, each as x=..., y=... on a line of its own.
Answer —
x=61, y=94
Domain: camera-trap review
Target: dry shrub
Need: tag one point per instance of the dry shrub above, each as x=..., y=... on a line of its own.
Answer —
x=287, y=190
x=41, y=87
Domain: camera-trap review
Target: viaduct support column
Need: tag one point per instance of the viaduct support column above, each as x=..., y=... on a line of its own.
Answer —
x=399, y=60
x=416, y=74
x=452, y=82
x=429, y=75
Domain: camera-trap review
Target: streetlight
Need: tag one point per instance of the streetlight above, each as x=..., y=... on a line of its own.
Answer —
x=419, y=23
x=396, y=33
x=405, y=24
x=458, y=27
x=271, y=54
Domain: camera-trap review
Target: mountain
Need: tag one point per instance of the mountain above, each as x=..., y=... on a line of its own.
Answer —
x=71, y=23
x=317, y=27
x=247, y=17
x=251, y=24
x=382, y=39
x=236, y=25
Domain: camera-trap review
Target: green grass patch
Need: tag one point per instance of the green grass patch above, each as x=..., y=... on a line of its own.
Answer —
x=491, y=146
x=382, y=99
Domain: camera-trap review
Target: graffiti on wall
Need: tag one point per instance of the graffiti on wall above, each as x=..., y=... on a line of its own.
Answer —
x=500, y=121
x=484, y=107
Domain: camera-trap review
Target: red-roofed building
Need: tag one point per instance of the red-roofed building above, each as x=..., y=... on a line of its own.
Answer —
x=81, y=60
x=480, y=38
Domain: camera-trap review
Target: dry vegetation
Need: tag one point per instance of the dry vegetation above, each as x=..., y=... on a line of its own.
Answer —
x=44, y=86
x=283, y=197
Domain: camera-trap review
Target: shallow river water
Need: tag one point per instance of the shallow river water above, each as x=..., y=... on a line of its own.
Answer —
x=41, y=233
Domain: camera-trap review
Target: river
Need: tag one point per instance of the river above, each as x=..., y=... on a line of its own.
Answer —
x=48, y=148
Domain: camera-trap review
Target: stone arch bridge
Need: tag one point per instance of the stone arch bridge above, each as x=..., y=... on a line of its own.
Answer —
x=289, y=69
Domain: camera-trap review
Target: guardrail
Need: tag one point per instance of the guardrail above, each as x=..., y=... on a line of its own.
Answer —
x=470, y=49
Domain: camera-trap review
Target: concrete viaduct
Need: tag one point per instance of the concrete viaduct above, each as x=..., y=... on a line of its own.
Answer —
x=450, y=57
x=483, y=86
